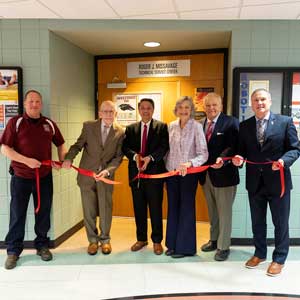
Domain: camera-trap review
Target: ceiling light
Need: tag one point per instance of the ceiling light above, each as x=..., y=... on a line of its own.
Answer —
x=152, y=44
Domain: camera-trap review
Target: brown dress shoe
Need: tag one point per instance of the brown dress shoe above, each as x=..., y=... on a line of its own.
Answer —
x=11, y=261
x=254, y=261
x=138, y=246
x=157, y=248
x=92, y=248
x=106, y=248
x=274, y=269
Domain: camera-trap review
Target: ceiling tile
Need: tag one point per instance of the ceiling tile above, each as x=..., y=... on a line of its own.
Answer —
x=141, y=7
x=25, y=9
x=276, y=11
x=87, y=9
x=217, y=14
x=186, y=5
x=167, y=16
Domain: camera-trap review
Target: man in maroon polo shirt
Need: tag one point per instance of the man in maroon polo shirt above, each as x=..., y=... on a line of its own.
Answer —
x=26, y=141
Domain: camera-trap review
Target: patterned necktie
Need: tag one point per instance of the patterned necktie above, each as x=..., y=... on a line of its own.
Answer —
x=209, y=130
x=260, y=130
x=105, y=134
x=144, y=141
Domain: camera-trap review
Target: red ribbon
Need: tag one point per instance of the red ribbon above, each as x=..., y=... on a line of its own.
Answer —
x=79, y=170
x=193, y=170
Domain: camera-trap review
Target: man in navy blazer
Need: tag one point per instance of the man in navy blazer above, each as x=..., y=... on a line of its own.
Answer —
x=262, y=138
x=147, y=192
x=220, y=181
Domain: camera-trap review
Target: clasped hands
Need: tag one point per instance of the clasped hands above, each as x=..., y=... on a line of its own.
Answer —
x=142, y=162
x=34, y=164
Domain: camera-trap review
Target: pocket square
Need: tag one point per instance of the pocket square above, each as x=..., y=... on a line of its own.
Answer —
x=220, y=133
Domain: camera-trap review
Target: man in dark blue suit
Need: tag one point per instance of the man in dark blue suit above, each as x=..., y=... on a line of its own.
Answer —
x=219, y=182
x=268, y=137
x=145, y=145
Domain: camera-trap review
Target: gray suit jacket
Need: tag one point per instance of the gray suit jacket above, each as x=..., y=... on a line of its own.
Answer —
x=96, y=156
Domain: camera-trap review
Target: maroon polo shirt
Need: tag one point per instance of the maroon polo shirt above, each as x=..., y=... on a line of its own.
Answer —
x=31, y=139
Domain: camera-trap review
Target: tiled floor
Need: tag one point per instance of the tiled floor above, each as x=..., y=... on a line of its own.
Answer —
x=75, y=275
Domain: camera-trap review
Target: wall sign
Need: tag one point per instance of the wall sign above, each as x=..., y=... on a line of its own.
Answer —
x=159, y=68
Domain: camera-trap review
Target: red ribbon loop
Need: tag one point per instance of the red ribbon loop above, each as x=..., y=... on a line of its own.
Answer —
x=79, y=170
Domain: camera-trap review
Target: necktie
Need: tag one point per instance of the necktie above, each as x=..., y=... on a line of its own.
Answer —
x=144, y=141
x=260, y=131
x=105, y=134
x=209, y=130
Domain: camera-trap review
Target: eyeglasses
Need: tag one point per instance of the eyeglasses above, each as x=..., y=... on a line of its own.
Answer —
x=108, y=112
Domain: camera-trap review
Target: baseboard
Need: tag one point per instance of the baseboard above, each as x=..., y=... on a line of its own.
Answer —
x=53, y=243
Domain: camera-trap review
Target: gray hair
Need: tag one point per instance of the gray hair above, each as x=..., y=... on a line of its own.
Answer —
x=261, y=90
x=183, y=99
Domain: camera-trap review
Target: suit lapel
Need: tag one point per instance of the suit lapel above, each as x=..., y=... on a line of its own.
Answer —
x=217, y=126
x=150, y=133
x=98, y=132
x=269, y=129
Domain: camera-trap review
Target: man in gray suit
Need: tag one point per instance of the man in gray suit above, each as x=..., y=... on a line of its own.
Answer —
x=102, y=143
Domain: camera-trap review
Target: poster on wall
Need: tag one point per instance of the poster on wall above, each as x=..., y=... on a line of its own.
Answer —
x=10, y=94
x=257, y=84
x=126, y=109
x=127, y=106
x=296, y=101
x=200, y=93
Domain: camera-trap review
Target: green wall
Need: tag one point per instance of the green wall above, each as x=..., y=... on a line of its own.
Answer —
x=64, y=74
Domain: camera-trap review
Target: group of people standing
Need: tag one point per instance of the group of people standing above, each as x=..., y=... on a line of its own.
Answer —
x=152, y=148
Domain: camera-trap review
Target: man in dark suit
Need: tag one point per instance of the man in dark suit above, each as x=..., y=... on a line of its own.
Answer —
x=145, y=145
x=268, y=137
x=220, y=181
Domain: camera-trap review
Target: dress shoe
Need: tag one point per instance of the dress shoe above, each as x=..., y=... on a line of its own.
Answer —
x=169, y=252
x=138, y=246
x=209, y=246
x=44, y=253
x=274, y=269
x=11, y=261
x=254, y=261
x=106, y=248
x=92, y=248
x=157, y=248
x=177, y=255
x=222, y=255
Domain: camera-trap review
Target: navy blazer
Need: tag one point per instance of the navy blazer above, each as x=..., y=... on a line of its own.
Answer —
x=157, y=147
x=223, y=142
x=280, y=142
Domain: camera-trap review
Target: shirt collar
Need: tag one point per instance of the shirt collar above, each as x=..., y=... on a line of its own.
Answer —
x=266, y=117
x=214, y=120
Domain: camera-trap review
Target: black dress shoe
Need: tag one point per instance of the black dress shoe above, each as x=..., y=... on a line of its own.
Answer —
x=209, y=246
x=177, y=255
x=169, y=252
x=222, y=255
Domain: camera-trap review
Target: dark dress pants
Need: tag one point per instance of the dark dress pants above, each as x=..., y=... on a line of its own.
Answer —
x=280, y=210
x=149, y=193
x=21, y=189
x=181, y=225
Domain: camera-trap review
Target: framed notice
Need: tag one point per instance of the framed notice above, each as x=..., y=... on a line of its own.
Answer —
x=11, y=103
x=200, y=93
x=127, y=106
